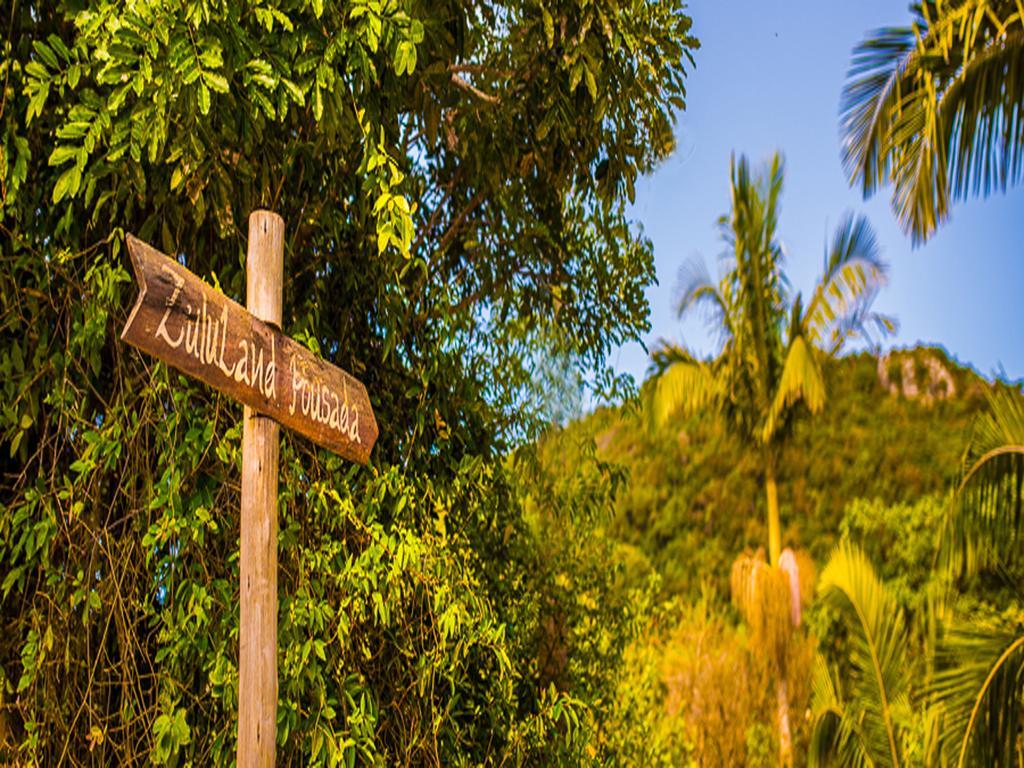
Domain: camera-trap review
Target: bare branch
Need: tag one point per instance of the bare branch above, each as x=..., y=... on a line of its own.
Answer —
x=467, y=86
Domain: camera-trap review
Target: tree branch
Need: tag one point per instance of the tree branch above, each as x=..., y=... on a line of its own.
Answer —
x=467, y=86
x=460, y=218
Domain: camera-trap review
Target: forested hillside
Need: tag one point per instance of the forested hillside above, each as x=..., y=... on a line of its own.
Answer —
x=689, y=495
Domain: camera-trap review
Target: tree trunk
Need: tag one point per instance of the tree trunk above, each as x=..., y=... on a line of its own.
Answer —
x=774, y=526
x=785, y=735
x=774, y=553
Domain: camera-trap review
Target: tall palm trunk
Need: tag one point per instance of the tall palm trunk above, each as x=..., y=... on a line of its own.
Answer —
x=774, y=526
x=775, y=552
x=785, y=734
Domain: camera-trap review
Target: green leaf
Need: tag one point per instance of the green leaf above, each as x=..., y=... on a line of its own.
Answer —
x=216, y=82
x=405, y=58
x=37, y=71
x=575, y=74
x=416, y=31
x=591, y=83
x=36, y=102
x=67, y=184
x=294, y=92
x=46, y=54
x=212, y=57
x=318, y=103
x=549, y=27
x=177, y=177
x=204, y=99
x=58, y=45
x=61, y=154
x=116, y=98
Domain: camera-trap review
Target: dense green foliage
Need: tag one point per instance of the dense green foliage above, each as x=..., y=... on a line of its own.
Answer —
x=862, y=720
x=453, y=180
x=979, y=680
x=920, y=635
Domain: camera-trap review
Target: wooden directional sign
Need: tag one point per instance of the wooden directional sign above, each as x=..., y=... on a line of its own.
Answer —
x=188, y=324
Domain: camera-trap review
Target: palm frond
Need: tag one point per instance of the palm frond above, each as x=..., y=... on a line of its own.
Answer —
x=870, y=96
x=879, y=674
x=697, y=291
x=882, y=324
x=685, y=387
x=801, y=380
x=937, y=108
x=981, y=114
x=666, y=354
x=755, y=281
x=853, y=274
x=979, y=688
x=750, y=228
x=853, y=241
x=772, y=197
x=986, y=525
x=1001, y=425
x=920, y=183
x=836, y=738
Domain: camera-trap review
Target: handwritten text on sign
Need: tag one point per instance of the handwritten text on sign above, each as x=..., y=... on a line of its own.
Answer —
x=200, y=331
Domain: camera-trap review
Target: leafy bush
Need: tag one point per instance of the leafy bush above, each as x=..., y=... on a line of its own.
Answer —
x=901, y=540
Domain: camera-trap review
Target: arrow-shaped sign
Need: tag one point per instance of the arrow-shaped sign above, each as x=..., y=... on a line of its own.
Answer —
x=188, y=324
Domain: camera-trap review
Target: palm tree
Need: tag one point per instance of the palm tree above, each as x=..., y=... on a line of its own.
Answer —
x=771, y=357
x=772, y=346
x=980, y=686
x=937, y=108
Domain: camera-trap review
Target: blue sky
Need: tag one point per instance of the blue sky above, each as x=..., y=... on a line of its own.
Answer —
x=769, y=76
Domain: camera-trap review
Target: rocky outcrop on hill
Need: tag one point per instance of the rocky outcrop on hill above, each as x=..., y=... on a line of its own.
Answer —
x=916, y=375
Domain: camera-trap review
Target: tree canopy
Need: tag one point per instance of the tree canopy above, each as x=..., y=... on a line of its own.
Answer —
x=453, y=180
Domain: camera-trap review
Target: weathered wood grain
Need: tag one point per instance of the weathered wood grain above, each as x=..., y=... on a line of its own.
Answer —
x=257, y=563
x=188, y=324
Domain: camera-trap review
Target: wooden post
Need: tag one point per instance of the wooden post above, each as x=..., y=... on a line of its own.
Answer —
x=257, y=629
